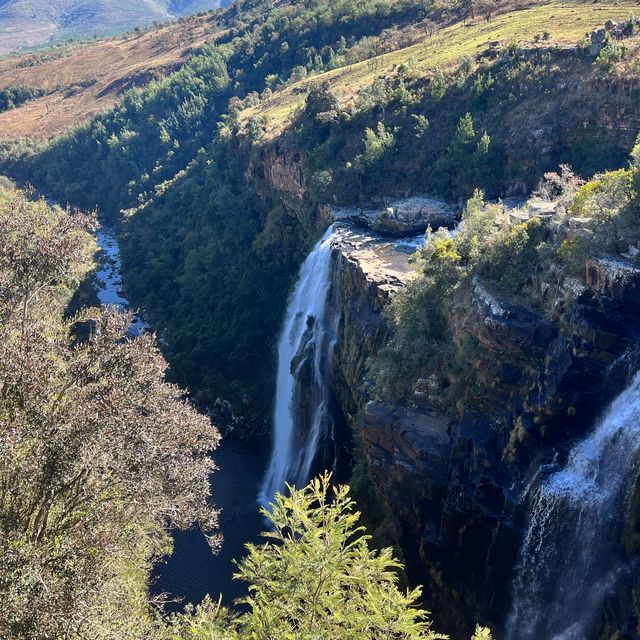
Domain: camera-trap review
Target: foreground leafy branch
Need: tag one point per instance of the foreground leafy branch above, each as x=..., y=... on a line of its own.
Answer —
x=316, y=578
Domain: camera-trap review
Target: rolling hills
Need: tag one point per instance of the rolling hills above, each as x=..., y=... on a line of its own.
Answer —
x=27, y=23
x=79, y=80
x=445, y=47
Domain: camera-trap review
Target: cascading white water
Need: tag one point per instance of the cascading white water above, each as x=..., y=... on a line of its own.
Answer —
x=303, y=413
x=569, y=559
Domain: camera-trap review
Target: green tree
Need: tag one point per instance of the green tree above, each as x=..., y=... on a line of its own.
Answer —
x=610, y=54
x=464, y=134
x=377, y=143
x=375, y=96
x=481, y=164
x=438, y=84
x=464, y=154
x=99, y=455
x=421, y=125
x=316, y=577
x=321, y=99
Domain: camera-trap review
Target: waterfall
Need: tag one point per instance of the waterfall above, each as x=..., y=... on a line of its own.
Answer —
x=303, y=423
x=570, y=556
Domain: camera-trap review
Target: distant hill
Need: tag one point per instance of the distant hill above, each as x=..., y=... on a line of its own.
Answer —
x=26, y=23
x=75, y=81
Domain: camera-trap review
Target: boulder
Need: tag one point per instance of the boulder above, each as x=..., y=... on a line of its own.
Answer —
x=401, y=217
x=598, y=38
x=414, y=215
x=542, y=208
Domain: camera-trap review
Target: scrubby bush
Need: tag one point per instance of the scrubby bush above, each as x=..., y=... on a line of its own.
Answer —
x=14, y=96
x=316, y=577
x=610, y=54
x=99, y=455
x=377, y=143
x=605, y=202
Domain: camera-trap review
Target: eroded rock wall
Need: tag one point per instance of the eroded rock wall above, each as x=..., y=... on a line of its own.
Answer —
x=454, y=463
x=366, y=270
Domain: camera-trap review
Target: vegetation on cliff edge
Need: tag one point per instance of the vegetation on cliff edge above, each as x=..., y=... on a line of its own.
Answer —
x=510, y=253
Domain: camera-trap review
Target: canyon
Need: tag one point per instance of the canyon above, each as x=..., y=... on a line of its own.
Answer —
x=276, y=222
x=458, y=467
x=458, y=479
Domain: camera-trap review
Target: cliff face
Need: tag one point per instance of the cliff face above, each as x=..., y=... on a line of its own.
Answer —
x=280, y=169
x=454, y=472
x=366, y=270
x=455, y=477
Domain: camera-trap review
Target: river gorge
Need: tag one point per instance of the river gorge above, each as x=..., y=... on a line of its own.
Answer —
x=193, y=571
x=474, y=501
x=389, y=244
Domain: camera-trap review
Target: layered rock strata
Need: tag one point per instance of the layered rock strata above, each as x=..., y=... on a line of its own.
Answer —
x=455, y=472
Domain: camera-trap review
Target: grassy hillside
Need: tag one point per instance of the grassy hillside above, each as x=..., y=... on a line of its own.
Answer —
x=25, y=23
x=441, y=47
x=77, y=81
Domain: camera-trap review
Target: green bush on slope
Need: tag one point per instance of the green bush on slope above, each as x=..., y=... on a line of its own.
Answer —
x=98, y=456
x=14, y=96
x=315, y=578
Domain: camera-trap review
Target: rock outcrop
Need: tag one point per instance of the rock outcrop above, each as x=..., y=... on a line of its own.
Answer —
x=454, y=472
x=366, y=270
x=280, y=169
x=400, y=218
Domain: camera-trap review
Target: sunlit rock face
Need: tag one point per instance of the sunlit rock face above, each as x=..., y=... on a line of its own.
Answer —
x=455, y=472
x=367, y=269
x=401, y=218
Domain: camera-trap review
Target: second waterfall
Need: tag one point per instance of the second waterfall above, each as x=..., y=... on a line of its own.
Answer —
x=303, y=418
x=570, y=558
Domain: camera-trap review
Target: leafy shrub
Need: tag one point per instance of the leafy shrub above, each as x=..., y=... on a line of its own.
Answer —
x=14, y=96
x=316, y=578
x=605, y=201
x=610, y=54
x=512, y=255
x=377, y=143
x=573, y=253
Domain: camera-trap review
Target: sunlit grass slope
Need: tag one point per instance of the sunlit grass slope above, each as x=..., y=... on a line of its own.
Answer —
x=565, y=22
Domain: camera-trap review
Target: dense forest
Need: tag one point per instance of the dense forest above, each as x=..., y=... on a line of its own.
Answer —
x=218, y=179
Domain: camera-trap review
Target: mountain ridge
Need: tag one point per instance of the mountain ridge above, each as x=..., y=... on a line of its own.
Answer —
x=29, y=23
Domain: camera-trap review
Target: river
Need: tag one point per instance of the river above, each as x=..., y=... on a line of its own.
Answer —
x=192, y=571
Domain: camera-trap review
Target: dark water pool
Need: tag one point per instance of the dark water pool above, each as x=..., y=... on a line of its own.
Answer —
x=193, y=571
